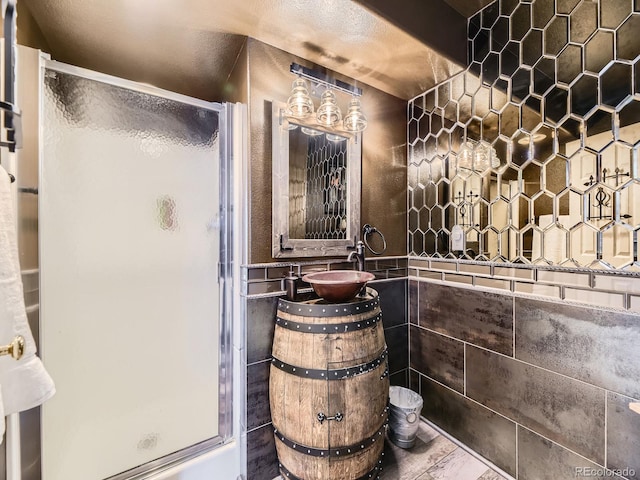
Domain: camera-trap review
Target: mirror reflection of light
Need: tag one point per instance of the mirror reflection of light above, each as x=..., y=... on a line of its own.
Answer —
x=311, y=132
x=335, y=138
x=477, y=157
x=538, y=137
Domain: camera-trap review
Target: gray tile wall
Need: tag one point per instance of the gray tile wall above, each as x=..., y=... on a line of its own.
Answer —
x=539, y=386
x=623, y=440
x=483, y=319
x=486, y=432
x=262, y=462
x=263, y=285
x=562, y=409
x=261, y=450
x=439, y=357
x=541, y=459
x=590, y=344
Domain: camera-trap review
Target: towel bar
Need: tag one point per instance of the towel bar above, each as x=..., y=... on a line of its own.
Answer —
x=15, y=348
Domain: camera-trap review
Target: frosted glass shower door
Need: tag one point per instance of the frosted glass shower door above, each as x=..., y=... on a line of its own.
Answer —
x=130, y=248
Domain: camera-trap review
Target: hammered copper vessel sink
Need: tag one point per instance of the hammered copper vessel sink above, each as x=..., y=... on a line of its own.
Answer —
x=338, y=286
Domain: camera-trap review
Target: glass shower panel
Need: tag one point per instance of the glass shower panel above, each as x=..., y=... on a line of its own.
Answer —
x=129, y=245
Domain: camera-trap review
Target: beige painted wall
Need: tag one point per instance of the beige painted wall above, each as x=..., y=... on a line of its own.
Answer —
x=28, y=32
x=384, y=157
x=236, y=89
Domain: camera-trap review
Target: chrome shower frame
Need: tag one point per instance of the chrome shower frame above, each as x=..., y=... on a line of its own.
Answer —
x=228, y=429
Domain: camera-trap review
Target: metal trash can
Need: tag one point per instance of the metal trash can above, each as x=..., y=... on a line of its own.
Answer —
x=404, y=416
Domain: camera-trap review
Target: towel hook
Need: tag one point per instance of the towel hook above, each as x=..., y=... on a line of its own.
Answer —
x=15, y=348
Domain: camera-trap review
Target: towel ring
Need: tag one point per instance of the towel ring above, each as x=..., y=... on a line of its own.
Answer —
x=367, y=231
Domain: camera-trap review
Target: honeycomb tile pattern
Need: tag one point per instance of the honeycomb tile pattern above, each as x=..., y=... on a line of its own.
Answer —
x=534, y=150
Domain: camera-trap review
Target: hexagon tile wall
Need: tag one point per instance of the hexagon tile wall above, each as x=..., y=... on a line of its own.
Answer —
x=534, y=149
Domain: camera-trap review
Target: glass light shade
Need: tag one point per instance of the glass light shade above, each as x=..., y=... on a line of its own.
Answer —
x=299, y=104
x=328, y=112
x=480, y=158
x=354, y=120
x=465, y=157
x=484, y=157
x=494, y=161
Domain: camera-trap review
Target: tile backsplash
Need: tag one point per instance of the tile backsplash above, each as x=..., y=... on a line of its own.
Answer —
x=614, y=289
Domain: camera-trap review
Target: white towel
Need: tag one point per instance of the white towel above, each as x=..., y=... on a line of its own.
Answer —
x=25, y=383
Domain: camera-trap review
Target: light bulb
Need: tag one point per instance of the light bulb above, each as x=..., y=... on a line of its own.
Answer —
x=354, y=120
x=299, y=104
x=328, y=112
x=465, y=157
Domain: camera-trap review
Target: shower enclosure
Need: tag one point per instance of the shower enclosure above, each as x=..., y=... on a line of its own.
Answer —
x=136, y=281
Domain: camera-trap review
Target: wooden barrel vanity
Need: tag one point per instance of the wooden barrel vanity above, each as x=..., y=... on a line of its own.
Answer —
x=329, y=388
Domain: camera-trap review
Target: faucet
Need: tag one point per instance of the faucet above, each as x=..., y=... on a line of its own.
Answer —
x=358, y=255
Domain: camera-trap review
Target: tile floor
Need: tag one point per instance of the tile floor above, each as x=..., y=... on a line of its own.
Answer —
x=433, y=457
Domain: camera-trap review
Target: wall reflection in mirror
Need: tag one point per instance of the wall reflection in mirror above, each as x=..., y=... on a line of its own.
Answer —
x=534, y=150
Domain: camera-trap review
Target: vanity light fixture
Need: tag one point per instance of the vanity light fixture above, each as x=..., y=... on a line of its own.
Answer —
x=300, y=105
x=477, y=157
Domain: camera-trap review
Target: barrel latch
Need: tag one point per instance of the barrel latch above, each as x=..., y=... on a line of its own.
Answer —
x=338, y=417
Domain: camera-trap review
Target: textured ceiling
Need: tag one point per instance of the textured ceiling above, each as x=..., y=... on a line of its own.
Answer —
x=190, y=46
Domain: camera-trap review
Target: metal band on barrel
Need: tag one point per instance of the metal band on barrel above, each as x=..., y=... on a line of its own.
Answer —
x=333, y=452
x=328, y=327
x=372, y=474
x=339, y=374
x=304, y=309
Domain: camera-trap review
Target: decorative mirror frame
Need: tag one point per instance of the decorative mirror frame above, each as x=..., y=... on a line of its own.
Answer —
x=282, y=245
